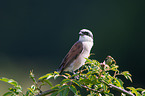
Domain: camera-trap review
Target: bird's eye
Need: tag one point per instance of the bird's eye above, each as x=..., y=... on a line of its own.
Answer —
x=85, y=33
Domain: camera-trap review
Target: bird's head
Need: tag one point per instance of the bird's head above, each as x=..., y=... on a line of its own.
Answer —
x=85, y=35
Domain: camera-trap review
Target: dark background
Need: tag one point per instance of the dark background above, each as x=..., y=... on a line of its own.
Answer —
x=37, y=34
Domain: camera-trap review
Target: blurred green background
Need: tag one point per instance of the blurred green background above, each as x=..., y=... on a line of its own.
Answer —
x=37, y=34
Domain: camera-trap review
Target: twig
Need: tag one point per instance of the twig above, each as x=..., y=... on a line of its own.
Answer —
x=119, y=89
x=90, y=89
x=46, y=92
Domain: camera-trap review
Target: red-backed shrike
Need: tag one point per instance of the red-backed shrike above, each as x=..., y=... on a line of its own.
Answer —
x=75, y=58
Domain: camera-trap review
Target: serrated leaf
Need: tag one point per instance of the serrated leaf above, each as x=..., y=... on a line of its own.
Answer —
x=76, y=82
x=4, y=79
x=127, y=75
x=55, y=77
x=73, y=89
x=18, y=90
x=129, y=78
x=54, y=94
x=66, y=91
x=63, y=87
x=68, y=75
x=120, y=83
x=65, y=81
x=143, y=93
x=31, y=91
x=8, y=94
x=56, y=86
x=48, y=82
x=55, y=72
x=47, y=76
x=114, y=67
x=27, y=93
x=140, y=89
x=133, y=90
x=10, y=81
x=61, y=90
x=88, y=60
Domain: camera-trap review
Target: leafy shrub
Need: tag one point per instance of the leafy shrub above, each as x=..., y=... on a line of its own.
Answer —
x=97, y=78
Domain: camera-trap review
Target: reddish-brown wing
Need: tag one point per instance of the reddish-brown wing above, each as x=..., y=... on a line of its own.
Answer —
x=73, y=53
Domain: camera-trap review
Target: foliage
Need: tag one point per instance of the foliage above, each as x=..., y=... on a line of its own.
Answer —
x=97, y=78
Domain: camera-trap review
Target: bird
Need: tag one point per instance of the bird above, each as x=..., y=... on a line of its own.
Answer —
x=76, y=57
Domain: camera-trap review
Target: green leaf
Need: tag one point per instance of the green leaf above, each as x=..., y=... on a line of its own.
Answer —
x=66, y=91
x=47, y=76
x=63, y=87
x=140, y=89
x=127, y=75
x=55, y=72
x=54, y=94
x=8, y=94
x=10, y=81
x=4, y=79
x=133, y=90
x=61, y=90
x=88, y=60
x=56, y=86
x=114, y=67
x=27, y=93
x=84, y=80
x=68, y=75
x=33, y=87
x=18, y=90
x=65, y=81
x=76, y=82
x=48, y=82
x=118, y=82
x=143, y=93
x=55, y=76
x=73, y=89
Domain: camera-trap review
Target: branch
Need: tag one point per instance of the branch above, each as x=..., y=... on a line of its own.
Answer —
x=90, y=89
x=46, y=92
x=119, y=89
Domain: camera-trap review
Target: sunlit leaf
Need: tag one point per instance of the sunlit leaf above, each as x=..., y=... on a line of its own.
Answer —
x=65, y=81
x=66, y=91
x=47, y=76
x=76, y=82
x=140, y=89
x=48, y=82
x=8, y=94
x=27, y=93
x=68, y=75
x=55, y=76
x=10, y=81
x=143, y=93
x=54, y=94
x=127, y=75
x=56, y=86
x=133, y=90
x=63, y=87
x=73, y=89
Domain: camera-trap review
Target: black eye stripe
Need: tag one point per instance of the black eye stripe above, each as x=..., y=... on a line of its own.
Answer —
x=86, y=33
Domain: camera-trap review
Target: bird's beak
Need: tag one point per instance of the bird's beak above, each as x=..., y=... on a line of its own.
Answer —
x=80, y=33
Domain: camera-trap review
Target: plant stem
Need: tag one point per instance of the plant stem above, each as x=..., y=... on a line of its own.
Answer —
x=119, y=89
x=46, y=92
